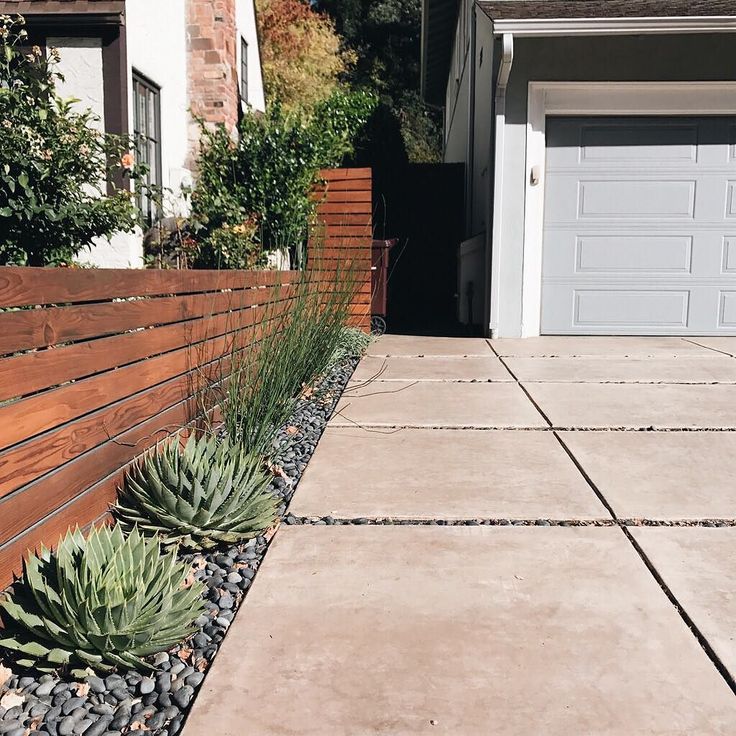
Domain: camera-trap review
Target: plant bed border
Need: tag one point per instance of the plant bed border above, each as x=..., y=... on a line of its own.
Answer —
x=158, y=703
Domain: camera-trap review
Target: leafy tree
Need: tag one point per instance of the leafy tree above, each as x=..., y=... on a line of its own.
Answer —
x=54, y=163
x=386, y=35
x=302, y=55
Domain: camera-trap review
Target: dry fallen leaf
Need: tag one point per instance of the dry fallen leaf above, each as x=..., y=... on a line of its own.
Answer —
x=5, y=674
x=82, y=689
x=11, y=699
x=184, y=654
x=189, y=581
x=278, y=471
x=201, y=665
x=291, y=429
x=138, y=726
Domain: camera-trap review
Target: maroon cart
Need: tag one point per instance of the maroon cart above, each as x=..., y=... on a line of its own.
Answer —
x=379, y=284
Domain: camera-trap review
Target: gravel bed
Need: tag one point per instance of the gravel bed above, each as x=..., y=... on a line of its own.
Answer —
x=157, y=703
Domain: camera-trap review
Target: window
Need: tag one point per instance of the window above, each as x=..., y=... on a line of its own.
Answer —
x=147, y=132
x=243, y=70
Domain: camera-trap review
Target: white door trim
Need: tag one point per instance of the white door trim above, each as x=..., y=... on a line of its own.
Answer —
x=594, y=98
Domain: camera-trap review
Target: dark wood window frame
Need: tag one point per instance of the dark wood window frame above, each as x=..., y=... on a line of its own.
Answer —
x=147, y=135
x=244, y=70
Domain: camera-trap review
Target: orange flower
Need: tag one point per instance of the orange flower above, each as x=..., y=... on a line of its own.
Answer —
x=127, y=160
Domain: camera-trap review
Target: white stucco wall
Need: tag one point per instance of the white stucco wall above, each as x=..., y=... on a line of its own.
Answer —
x=245, y=18
x=81, y=67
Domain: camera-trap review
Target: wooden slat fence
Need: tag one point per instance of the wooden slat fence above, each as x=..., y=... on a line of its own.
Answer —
x=98, y=365
x=344, y=232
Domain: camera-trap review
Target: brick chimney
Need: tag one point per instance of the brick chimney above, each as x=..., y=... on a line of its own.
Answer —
x=212, y=65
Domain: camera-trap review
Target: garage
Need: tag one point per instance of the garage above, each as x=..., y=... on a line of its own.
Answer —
x=639, y=226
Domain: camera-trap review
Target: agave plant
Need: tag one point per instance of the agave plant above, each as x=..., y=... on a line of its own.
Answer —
x=99, y=602
x=200, y=495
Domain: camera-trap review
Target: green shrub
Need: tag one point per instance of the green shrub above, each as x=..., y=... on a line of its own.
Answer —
x=99, y=602
x=268, y=176
x=200, y=495
x=268, y=379
x=54, y=163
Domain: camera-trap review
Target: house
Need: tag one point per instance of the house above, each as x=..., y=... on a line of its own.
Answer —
x=599, y=143
x=145, y=67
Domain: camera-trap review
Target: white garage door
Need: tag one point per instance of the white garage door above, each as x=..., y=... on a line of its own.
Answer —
x=640, y=226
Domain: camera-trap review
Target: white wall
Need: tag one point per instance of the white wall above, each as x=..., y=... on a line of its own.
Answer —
x=245, y=19
x=81, y=67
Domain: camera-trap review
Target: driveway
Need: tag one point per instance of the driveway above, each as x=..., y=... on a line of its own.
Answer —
x=504, y=537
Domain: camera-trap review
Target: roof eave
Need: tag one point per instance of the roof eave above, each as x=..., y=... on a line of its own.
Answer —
x=535, y=27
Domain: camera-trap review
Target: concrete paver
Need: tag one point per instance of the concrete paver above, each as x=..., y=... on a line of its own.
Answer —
x=723, y=344
x=433, y=404
x=410, y=345
x=699, y=567
x=661, y=475
x=461, y=631
x=714, y=368
x=637, y=406
x=444, y=474
x=472, y=368
x=610, y=347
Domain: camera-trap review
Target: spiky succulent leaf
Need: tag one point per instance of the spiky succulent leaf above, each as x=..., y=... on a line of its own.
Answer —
x=104, y=601
x=207, y=492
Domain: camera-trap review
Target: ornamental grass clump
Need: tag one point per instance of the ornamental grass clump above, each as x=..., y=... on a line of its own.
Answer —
x=203, y=494
x=297, y=347
x=100, y=602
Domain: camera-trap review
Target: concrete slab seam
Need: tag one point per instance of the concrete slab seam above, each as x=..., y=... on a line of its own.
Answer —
x=709, y=347
x=700, y=637
x=684, y=615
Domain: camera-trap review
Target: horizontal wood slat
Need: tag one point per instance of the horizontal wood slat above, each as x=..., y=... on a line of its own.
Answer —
x=101, y=364
x=36, y=328
x=331, y=175
x=30, y=286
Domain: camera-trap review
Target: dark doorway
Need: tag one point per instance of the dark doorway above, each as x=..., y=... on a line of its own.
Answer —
x=422, y=206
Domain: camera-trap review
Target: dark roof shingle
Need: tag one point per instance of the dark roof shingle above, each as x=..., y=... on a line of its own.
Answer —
x=547, y=9
x=53, y=7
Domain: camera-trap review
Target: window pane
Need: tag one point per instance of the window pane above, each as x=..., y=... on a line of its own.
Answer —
x=146, y=127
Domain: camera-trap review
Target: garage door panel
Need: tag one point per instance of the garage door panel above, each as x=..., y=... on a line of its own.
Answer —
x=640, y=241
x=645, y=309
x=706, y=198
x=727, y=310
x=634, y=255
x=628, y=142
x=633, y=199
